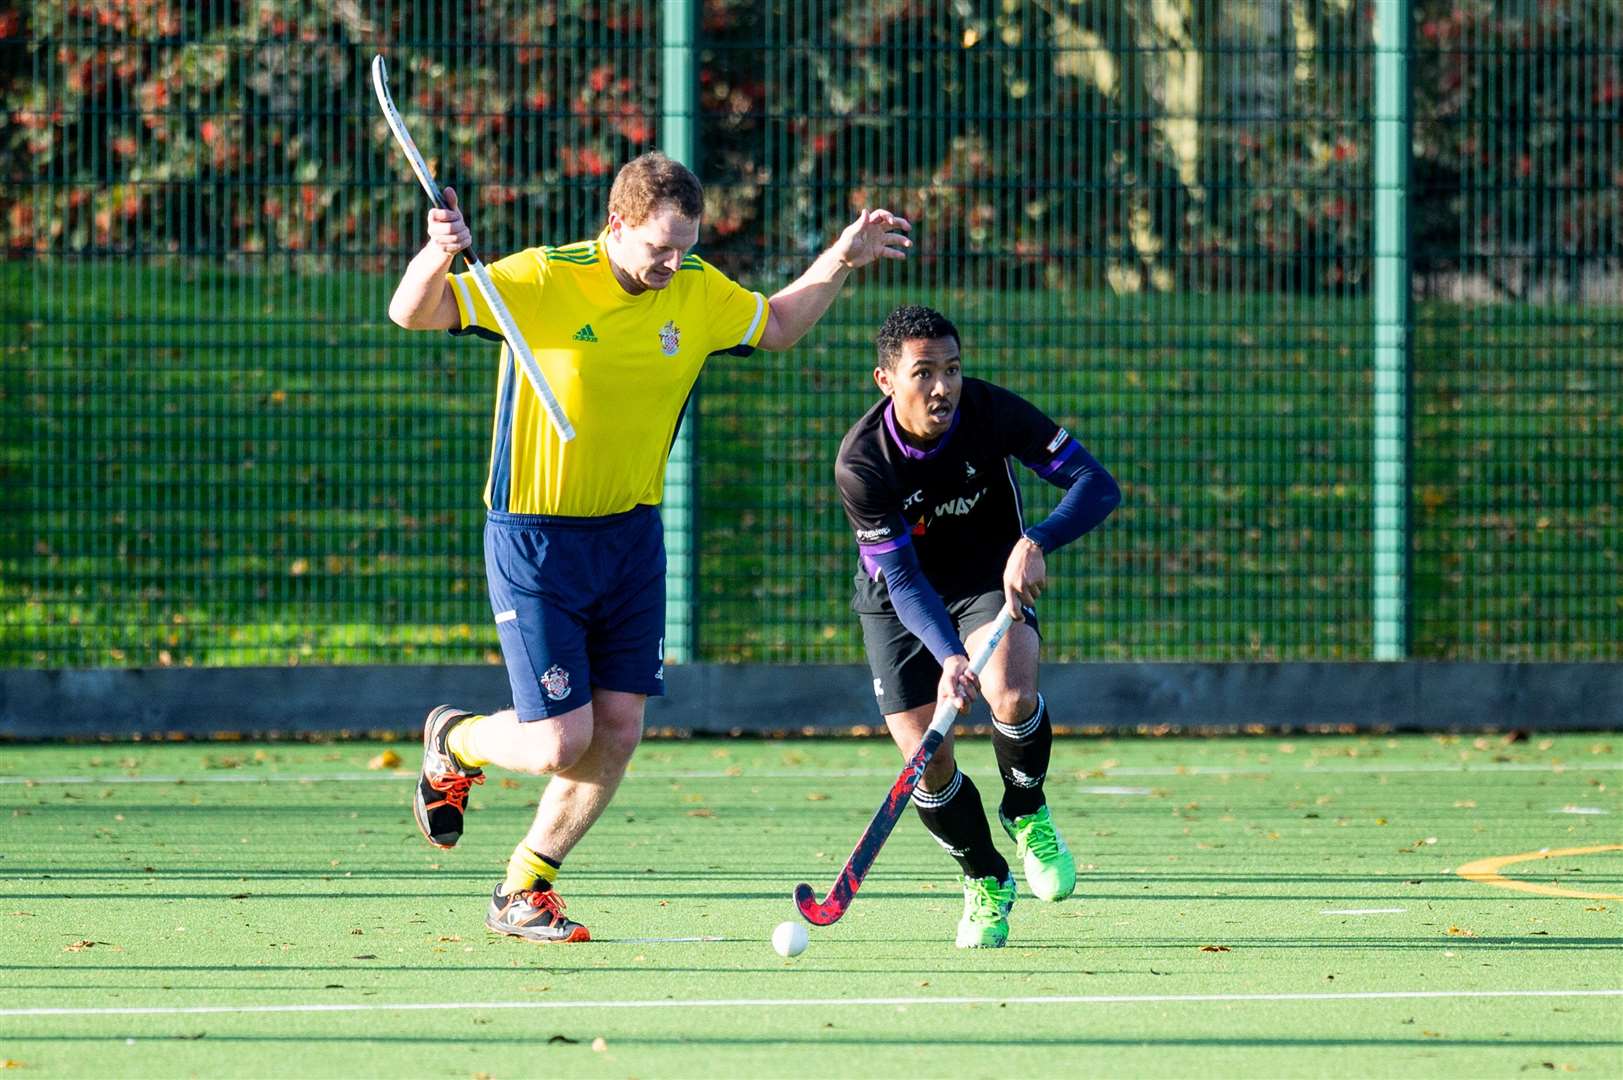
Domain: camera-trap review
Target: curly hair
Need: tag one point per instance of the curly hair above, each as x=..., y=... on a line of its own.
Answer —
x=911, y=322
x=645, y=183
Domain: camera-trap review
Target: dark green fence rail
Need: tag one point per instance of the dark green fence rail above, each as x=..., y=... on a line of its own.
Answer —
x=1154, y=220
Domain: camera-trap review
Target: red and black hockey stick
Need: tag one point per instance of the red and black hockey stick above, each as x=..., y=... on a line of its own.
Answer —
x=828, y=910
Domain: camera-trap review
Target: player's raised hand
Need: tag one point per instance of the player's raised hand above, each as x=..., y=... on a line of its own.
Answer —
x=958, y=683
x=446, y=228
x=1025, y=576
x=875, y=234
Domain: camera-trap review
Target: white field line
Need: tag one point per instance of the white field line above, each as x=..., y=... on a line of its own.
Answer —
x=800, y=1003
x=1364, y=911
x=253, y=776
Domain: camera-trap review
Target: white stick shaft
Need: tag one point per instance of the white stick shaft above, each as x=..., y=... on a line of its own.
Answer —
x=481, y=277
x=945, y=714
x=521, y=350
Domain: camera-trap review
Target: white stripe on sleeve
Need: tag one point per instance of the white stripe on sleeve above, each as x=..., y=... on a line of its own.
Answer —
x=760, y=308
x=467, y=300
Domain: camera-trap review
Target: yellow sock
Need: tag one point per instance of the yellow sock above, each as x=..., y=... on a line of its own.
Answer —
x=526, y=870
x=457, y=743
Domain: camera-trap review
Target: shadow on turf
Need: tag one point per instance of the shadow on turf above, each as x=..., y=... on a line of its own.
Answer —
x=866, y=1042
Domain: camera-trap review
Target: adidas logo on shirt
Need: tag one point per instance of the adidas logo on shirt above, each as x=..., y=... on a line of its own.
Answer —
x=585, y=334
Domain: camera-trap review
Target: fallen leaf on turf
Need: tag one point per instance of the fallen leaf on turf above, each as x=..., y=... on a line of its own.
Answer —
x=509, y=784
x=1597, y=907
x=1432, y=1034
x=599, y=1044
x=333, y=986
x=924, y=982
x=386, y=760
x=12, y=1063
x=1456, y=931
x=701, y=812
x=816, y=796
x=367, y=956
x=1215, y=948
x=562, y=1039
x=449, y=937
x=81, y=946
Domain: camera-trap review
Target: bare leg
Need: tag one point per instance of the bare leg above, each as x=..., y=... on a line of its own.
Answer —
x=1009, y=682
x=577, y=795
x=538, y=747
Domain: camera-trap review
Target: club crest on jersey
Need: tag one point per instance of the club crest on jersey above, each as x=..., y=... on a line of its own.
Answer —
x=670, y=339
x=555, y=681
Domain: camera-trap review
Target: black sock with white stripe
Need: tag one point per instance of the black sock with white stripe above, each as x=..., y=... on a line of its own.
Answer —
x=957, y=820
x=1022, y=757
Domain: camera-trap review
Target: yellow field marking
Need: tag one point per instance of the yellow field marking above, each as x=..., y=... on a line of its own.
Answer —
x=1486, y=871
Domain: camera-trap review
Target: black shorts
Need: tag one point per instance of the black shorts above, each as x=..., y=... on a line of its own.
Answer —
x=904, y=673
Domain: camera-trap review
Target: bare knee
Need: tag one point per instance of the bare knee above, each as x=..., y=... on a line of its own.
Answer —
x=548, y=746
x=615, y=744
x=1012, y=705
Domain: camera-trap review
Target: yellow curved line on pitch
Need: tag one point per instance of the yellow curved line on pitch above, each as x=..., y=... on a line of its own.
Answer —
x=1486, y=871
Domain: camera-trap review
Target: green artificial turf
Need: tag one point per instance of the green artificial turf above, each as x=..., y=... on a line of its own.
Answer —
x=176, y=876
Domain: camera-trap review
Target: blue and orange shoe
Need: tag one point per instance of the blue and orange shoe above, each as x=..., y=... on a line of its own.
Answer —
x=442, y=789
x=534, y=915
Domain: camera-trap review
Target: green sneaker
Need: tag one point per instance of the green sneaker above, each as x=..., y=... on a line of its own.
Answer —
x=1050, y=870
x=987, y=901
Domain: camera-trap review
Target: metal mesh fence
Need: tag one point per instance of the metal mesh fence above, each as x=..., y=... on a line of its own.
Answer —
x=1153, y=220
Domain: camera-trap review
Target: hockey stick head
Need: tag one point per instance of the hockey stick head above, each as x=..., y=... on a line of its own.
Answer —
x=397, y=126
x=817, y=914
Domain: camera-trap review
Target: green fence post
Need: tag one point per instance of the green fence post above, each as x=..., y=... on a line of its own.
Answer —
x=1391, y=329
x=678, y=137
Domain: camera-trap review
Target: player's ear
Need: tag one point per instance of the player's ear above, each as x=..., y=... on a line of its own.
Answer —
x=881, y=378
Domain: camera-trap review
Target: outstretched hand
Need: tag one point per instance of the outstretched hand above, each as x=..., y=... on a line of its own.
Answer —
x=446, y=228
x=875, y=234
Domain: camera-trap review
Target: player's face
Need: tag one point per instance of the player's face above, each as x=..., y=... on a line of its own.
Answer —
x=647, y=255
x=924, y=386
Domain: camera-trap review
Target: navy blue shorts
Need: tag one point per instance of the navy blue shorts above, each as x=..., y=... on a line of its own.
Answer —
x=905, y=675
x=579, y=603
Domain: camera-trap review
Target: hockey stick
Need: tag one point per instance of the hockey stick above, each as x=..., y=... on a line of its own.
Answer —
x=828, y=910
x=481, y=276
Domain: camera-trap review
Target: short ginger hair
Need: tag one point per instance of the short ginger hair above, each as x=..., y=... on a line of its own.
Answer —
x=645, y=183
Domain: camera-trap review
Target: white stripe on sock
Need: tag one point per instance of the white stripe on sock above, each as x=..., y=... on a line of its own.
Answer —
x=1026, y=729
x=932, y=799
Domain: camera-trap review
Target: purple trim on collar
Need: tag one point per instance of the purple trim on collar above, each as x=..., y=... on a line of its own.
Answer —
x=916, y=454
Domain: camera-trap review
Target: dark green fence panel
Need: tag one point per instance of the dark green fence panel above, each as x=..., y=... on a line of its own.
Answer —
x=1154, y=220
x=1153, y=223
x=1519, y=332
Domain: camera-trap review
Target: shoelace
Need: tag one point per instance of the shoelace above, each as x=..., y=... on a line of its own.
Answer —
x=988, y=904
x=546, y=900
x=455, y=788
x=1042, y=841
